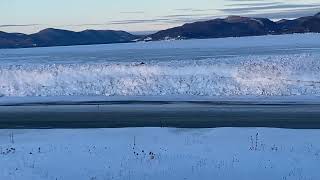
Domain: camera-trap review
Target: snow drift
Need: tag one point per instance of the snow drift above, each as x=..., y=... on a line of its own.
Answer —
x=268, y=75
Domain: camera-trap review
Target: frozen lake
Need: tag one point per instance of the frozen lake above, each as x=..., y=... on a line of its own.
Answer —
x=268, y=81
x=286, y=65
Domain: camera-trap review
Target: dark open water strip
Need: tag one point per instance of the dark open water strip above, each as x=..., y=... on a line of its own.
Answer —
x=119, y=114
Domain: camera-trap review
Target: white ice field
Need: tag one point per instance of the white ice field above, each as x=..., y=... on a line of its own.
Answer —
x=285, y=65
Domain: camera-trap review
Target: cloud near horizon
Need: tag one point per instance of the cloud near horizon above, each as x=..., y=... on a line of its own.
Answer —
x=255, y=8
x=132, y=12
x=18, y=25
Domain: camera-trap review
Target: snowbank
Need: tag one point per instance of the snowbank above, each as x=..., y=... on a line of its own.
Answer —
x=157, y=154
x=269, y=75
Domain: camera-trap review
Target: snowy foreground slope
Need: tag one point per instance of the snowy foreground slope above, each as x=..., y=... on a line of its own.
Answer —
x=160, y=153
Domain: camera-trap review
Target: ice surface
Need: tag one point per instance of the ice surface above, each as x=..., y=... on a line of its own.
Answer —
x=286, y=65
x=160, y=153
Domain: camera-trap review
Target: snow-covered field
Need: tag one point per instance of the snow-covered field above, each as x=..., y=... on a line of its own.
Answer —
x=160, y=153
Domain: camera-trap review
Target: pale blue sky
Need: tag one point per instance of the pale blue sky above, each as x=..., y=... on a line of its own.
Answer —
x=30, y=16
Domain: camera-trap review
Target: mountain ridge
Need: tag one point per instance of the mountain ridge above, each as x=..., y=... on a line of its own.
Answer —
x=231, y=26
x=238, y=26
x=59, y=37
